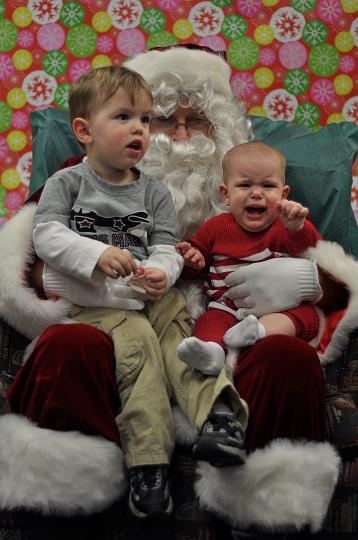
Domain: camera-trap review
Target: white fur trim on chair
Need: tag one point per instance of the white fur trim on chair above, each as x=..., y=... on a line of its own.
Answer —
x=331, y=257
x=56, y=472
x=285, y=484
x=19, y=305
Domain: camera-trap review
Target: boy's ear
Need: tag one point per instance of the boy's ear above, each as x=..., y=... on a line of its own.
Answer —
x=286, y=191
x=82, y=131
x=223, y=192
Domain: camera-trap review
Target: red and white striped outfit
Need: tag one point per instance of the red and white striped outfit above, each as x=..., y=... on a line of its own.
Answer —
x=226, y=246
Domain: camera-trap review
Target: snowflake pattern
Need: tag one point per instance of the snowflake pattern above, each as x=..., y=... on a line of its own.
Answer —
x=168, y=5
x=307, y=114
x=249, y=8
x=105, y=44
x=130, y=41
x=354, y=31
x=24, y=166
x=20, y=120
x=4, y=149
x=72, y=14
x=329, y=10
x=243, y=53
x=161, y=39
x=322, y=91
x=242, y=85
x=61, y=95
x=303, y=5
x=296, y=81
x=267, y=56
x=350, y=110
x=287, y=24
x=324, y=83
x=5, y=116
x=25, y=39
x=6, y=67
x=152, y=20
x=55, y=63
x=8, y=35
x=125, y=13
x=355, y=194
x=13, y=200
x=292, y=55
x=280, y=105
x=315, y=33
x=51, y=37
x=78, y=68
x=45, y=11
x=347, y=64
x=233, y=27
x=39, y=88
x=81, y=40
x=206, y=19
x=323, y=60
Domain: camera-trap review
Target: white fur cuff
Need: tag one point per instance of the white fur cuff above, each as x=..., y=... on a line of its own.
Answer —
x=285, y=484
x=56, y=472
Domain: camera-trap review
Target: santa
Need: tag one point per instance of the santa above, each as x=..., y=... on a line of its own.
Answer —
x=57, y=453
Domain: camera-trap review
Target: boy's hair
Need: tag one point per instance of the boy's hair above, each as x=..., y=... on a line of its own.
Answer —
x=255, y=146
x=95, y=87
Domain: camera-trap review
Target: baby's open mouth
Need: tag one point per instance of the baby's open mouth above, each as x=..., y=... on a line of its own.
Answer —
x=254, y=210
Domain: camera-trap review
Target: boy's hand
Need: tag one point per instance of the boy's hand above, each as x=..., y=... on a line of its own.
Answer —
x=193, y=258
x=115, y=262
x=155, y=283
x=292, y=214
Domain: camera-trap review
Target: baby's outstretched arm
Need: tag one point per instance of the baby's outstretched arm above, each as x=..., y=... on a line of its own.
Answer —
x=292, y=214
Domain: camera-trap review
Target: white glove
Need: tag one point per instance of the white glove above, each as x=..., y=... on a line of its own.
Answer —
x=110, y=293
x=273, y=286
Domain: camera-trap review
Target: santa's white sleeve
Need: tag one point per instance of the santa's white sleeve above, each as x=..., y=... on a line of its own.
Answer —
x=166, y=258
x=68, y=252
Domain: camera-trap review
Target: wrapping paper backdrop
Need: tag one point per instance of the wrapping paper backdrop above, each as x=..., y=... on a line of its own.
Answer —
x=293, y=60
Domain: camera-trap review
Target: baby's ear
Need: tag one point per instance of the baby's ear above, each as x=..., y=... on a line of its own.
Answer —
x=286, y=191
x=82, y=131
x=223, y=191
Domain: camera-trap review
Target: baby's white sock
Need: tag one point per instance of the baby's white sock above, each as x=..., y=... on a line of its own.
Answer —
x=244, y=333
x=205, y=356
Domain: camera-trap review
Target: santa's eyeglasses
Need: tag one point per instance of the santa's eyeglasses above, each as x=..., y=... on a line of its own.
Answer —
x=170, y=125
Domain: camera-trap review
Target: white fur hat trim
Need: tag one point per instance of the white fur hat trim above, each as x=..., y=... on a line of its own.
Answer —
x=187, y=63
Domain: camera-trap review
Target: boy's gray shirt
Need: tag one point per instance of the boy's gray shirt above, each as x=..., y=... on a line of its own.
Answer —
x=133, y=216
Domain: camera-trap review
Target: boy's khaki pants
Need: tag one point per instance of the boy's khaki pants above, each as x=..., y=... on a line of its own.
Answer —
x=150, y=376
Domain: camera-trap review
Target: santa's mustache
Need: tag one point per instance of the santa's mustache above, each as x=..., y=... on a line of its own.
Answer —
x=191, y=153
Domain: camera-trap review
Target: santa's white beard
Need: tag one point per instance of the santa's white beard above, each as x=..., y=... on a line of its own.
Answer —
x=191, y=170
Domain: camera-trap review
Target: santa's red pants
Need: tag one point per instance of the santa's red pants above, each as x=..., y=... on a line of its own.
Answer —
x=213, y=324
x=68, y=383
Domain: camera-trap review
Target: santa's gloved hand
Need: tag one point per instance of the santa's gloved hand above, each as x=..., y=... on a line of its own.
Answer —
x=272, y=286
x=110, y=293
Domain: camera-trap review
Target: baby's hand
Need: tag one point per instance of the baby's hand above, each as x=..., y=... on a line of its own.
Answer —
x=292, y=214
x=156, y=282
x=115, y=262
x=193, y=258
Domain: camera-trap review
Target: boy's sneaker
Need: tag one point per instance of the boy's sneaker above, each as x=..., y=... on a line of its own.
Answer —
x=221, y=440
x=149, y=492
